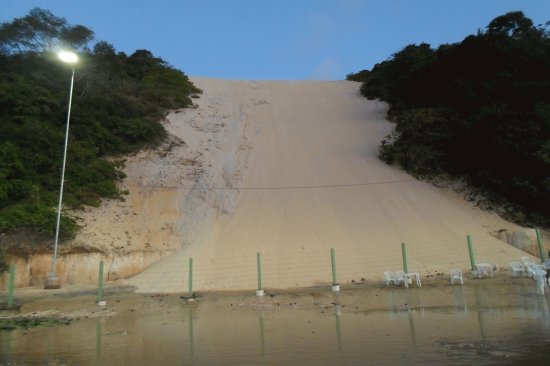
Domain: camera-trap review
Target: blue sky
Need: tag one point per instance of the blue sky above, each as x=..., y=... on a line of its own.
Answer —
x=277, y=39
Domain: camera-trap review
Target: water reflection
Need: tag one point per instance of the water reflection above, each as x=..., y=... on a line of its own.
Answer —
x=5, y=345
x=337, y=315
x=481, y=302
x=98, y=336
x=262, y=336
x=412, y=329
x=191, y=317
x=460, y=299
x=477, y=325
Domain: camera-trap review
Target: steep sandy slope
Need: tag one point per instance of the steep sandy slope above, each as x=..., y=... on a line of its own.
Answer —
x=294, y=174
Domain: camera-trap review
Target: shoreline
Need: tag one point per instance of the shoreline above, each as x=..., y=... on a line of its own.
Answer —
x=86, y=296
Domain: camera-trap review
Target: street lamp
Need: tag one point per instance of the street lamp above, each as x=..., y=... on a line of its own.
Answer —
x=52, y=282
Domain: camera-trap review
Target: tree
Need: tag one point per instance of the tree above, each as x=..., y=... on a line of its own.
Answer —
x=477, y=110
x=40, y=30
x=119, y=101
x=513, y=24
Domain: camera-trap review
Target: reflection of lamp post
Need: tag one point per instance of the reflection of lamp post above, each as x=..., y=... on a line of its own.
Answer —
x=52, y=281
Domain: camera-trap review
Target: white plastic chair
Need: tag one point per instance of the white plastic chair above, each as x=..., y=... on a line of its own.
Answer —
x=456, y=274
x=529, y=265
x=485, y=269
x=540, y=277
x=401, y=277
x=517, y=268
x=390, y=278
x=529, y=269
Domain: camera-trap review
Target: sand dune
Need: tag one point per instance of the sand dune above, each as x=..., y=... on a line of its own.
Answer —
x=292, y=172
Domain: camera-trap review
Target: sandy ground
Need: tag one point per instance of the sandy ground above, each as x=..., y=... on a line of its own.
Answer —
x=80, y=302
x=289, y=169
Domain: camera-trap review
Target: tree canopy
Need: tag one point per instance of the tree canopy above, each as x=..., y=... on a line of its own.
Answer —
x=40, y=30
x=118, y=103
x=478, y=110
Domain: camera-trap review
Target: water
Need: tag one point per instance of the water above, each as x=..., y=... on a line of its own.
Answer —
x=507, y=325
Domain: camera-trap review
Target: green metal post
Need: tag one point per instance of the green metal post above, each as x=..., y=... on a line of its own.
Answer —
x=471, y=251
x=100, y=283
x=541, y=246
x=333, y=260
x=191, y=277
x=11, y=285
x=259, y=265
x=404, y=254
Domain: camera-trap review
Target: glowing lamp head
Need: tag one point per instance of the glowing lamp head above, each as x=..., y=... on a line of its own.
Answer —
x=68, y=57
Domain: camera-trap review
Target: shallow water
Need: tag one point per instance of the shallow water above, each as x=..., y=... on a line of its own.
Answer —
x=478, y=326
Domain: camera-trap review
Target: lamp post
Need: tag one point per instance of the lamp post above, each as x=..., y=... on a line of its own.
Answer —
x=52, y=282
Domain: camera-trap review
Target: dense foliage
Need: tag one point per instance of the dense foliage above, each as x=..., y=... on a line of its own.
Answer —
x=118, y=101
x=477, y=110
x=358, y=76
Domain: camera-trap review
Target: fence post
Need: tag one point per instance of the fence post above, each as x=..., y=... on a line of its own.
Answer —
x=333, y=261
x=100, y=300
x=335, y=285
x=541, y=246
x=259, y=290
x=404, y=255
x=11, y=285
x=471, y=252
x=259, y=266
x=190, y=277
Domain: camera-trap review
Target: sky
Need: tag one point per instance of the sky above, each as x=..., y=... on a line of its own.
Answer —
x=277, y=39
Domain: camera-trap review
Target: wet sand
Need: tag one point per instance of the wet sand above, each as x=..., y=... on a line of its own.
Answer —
x=491, y=321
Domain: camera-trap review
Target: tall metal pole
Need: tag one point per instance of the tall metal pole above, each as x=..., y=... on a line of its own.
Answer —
x=259, y=267
x=471, y=252
x=333, y=262
x=190, y=277
x=404, y=255
x=53, y=274
x=541, y=246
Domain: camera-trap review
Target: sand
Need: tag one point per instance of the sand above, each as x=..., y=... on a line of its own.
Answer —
x=290, y=170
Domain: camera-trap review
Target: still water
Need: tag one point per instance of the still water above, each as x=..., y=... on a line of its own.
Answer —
x=508, y=325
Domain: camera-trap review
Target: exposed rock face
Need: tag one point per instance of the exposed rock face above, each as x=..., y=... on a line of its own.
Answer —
x=80, y=268
x=524, y=239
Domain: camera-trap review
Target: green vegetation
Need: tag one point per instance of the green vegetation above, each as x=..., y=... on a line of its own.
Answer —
x=118, y=102
x=478, y=110
x=358, y=76
x=31, y=322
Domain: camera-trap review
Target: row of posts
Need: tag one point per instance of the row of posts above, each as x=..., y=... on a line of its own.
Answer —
x=260, y=289
x=336, y=285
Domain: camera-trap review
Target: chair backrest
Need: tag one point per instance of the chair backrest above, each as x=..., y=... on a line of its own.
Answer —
x=400, y=275
x=516, y=265
x=389, y=275
x=456, y=273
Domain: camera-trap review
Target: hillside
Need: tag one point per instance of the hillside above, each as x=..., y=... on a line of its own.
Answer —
x=290, y=169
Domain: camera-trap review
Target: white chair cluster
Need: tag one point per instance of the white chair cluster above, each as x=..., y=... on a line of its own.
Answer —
x=400, y=277
x=530, y=269
x=484, y=270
